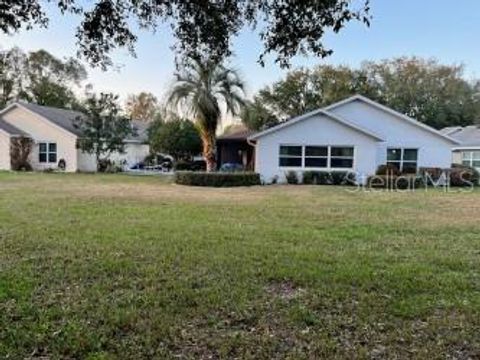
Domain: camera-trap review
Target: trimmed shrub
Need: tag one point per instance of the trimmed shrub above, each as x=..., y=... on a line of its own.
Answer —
x=434, y=172
x=20, y=149
x=431, y=175
x=198, y=165
x=108, y=166
x=316, y=178
x=342, y=178
x=387, y=169
x=216, y=179
x=462, y=175
x=329, y=178
x=393, y=182
x=292, y=177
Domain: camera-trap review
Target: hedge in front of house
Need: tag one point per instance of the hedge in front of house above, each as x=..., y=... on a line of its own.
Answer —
x=217, y=179
x=329, y=178
x=462, y=175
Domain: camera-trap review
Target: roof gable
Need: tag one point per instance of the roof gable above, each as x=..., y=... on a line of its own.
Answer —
x=392, y=112
x=328, y=114
x=61, y=117
x=466, y=136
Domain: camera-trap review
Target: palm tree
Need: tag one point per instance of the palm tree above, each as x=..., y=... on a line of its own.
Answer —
x=201, y=90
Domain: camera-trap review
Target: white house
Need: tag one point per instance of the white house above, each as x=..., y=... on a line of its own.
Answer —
x=55, y=137
x=468, y=151
x=355, y=135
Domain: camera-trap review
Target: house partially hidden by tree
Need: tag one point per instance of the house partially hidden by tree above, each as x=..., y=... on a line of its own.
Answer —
x=54, y=139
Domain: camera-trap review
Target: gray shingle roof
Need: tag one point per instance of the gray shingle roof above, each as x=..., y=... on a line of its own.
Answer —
x=10, y=129
x=237, y=135
x=61, y=117
x=467, y=136
x=66, y=119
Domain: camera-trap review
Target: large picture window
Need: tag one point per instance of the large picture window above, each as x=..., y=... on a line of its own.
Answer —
x=404, y=160
x=471, y=158
x=341, y=157
x=47, y=152
x=290, y=156
x=316, y=156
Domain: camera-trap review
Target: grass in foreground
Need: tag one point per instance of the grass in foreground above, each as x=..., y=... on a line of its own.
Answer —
x=105, y=267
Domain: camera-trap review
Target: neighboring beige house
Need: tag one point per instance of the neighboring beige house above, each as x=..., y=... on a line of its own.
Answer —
x=55, y=138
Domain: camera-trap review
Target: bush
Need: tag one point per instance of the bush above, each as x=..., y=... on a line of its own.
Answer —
x=329, y=178
x=292, y=177
x=217, y=179
x=431, y=174
x=20, y=149
x=62, y=164
x=315, y=178
x=108, y=166
x=182, y=165
x=342, y=178
x=462, y=175
x=388, y=169
x=393, y=182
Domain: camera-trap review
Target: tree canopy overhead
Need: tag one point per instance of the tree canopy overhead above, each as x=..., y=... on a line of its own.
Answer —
x=201, y=27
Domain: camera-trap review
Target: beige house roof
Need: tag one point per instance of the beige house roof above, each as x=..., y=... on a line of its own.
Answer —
x=66, y=119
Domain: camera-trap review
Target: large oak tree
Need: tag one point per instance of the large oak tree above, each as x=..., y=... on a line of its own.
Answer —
x=201, y=27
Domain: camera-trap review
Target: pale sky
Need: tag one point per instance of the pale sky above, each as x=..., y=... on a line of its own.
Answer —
x=444, y=29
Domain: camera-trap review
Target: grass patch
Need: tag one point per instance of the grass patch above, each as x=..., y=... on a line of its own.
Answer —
x=114, y=266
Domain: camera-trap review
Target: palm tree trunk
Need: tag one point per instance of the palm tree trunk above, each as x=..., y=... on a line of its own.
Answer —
x=209, y=151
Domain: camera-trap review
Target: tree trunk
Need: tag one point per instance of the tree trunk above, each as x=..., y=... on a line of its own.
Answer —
x=97, y=159
x=209, y=151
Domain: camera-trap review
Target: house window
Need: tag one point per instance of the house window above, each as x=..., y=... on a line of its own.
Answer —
x=471, y=158
x=316, y=156
x=47, y=152
x=404, y=159
x=290, y=156
x=341, y=157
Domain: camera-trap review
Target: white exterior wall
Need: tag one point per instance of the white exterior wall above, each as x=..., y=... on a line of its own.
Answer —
x=134, y=153
x=4, y=151
x=317, y=130
x=43, y=131
x=433, y=151
x=86, y=162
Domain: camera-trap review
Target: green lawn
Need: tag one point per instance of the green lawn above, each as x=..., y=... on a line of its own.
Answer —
x=114, y=266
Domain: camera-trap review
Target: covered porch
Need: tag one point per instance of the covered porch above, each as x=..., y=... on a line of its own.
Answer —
x=233, y=148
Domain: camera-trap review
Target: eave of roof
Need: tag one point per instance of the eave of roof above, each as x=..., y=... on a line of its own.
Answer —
x=11, y=130
x=241, y=135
